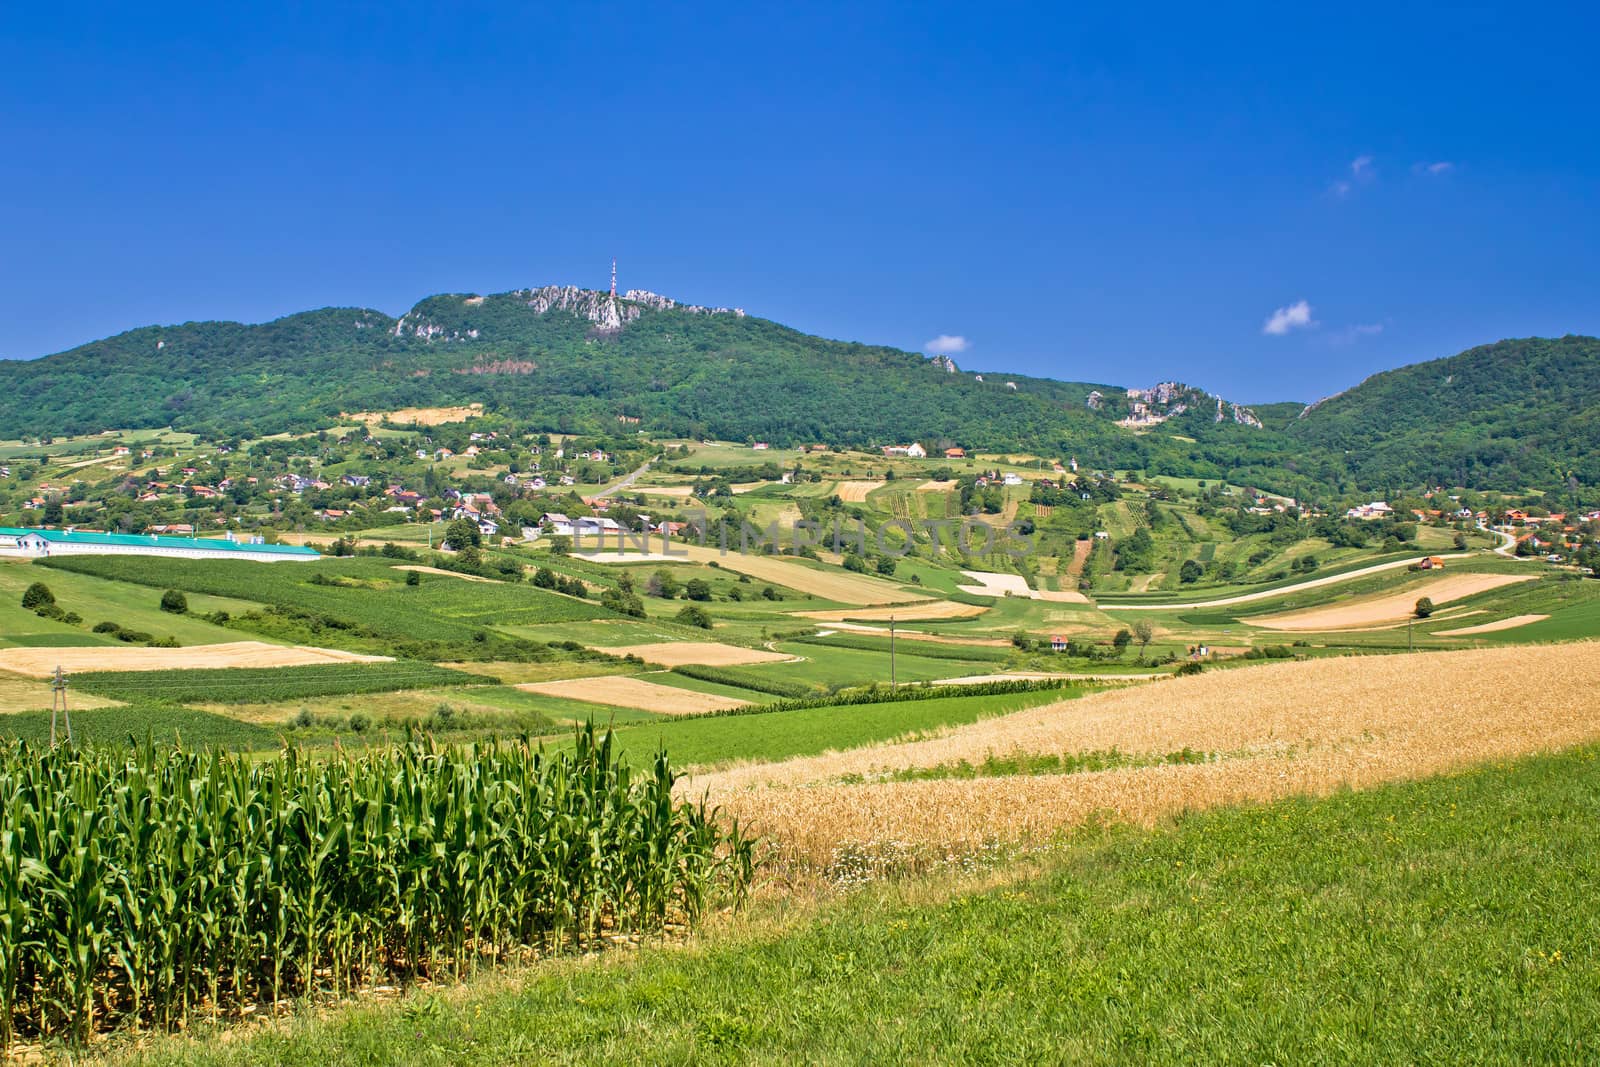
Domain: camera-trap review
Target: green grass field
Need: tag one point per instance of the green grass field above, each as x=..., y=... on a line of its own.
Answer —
x=254, y=685
x=1446, y=921
x=700, y=742
x=113, y=725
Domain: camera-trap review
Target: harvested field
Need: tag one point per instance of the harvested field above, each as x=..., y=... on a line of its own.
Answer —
x=1490, y=627
x=935, y=487
x=448, y=574
x=417, y=416
x=1391, y=607
x=42, y=662
x=1080, y=556
x=703, y=653
x=627, y=692
x=856, y=492
x=991, y=584
x=1351, y=722
x=19, y=693
x=842, y=586
x=933, y=609
x=665, y=490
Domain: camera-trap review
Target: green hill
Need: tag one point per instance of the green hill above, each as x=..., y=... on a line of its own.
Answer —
x=558, y=358
x=1514, y=414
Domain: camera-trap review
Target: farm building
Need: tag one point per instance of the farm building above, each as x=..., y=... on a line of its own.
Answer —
x=32, y=544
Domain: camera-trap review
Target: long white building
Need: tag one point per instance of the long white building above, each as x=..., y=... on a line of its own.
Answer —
x=39, y=544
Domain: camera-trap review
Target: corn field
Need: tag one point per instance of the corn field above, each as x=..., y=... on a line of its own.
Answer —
x=149, y=885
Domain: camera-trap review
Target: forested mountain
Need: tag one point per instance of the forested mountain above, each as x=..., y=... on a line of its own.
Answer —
x=1510, y=415
x=1507, y=415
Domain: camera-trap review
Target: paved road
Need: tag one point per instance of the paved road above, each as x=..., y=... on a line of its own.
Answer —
x=1282, y=590
x=617, y=487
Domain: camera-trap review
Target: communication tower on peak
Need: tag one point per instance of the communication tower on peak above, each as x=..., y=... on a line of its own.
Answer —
x=613, y=277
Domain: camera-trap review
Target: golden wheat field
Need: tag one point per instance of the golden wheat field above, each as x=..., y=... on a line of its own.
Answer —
x=1273, y=730
x=706, y=653
x=626, y=692
x=42, y=662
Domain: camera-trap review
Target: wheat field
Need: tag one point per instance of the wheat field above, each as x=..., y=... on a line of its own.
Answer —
x=1308, y=727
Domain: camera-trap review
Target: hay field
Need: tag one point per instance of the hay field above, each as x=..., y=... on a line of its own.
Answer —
x=1388, y=608
x=20, y=693
x=856, y=492
x=842, y=586
x=1306, y=727
x=703, y=653
x=990, y=583
x=665, y=490
x=932, y=609
x=626, y=692
x=42, y=662
x=419, y=416
x=1491, y=627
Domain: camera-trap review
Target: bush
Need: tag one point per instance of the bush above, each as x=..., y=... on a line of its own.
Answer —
x=694, y=615
x=1190, y=668
x=37, y=596
x=697, y=589
x=174, y=602
x=359, y=722
x=107, y=628
x=413, y=578
x=1424, y=607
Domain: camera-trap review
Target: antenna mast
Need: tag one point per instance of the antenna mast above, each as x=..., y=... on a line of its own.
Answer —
x=613, y=277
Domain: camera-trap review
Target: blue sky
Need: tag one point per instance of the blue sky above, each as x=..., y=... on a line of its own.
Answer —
x=1268, y=201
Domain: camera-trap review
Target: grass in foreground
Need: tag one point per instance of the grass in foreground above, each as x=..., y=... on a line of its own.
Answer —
x=1444, y=921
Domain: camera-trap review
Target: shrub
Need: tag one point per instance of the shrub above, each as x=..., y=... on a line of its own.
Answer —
x=413, y=578
x=1190, y=668
x=1424, y=607
x=174, y=602
x=697, y=589
x=37, y=596
x=694, y=615
x=107, y=628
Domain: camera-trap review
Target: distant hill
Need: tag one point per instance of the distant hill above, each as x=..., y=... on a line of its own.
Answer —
x=561, y=358
x=1514, y=414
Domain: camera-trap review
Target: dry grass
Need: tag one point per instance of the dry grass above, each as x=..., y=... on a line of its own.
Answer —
x=665, y=490
x=704, y=653
x=19, y=693
x=919, y=635
x=41, y=662
x=1490, y=627
x=933, y=609
x=626, y=692
x=1308, y=727
x=993, y=584
x=856, y=492
x=418, y=416
x=1388, y=608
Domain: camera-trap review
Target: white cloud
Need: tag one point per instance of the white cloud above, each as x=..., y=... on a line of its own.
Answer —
x=1296, y=316
x=1361, y=168
x=947, y=344
x=1443, y=166
x=1355, y=332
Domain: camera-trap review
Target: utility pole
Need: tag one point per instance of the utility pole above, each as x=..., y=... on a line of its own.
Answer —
x=58, y=702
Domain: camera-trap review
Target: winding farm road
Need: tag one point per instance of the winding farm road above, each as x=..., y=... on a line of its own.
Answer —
x=617, y=487
x=1282, y=590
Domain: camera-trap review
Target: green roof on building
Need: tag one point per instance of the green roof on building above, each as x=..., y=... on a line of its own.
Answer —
x=90, y=537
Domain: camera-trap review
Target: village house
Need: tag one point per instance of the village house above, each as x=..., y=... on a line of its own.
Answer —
x=1378, y=509
x=955, y=453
